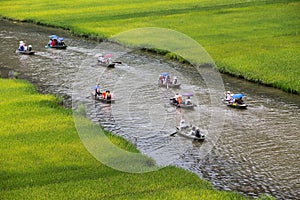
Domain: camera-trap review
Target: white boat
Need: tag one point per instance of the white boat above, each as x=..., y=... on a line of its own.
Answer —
x=190, y=134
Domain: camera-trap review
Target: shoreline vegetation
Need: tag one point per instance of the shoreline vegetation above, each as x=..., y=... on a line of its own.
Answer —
x=254, y=40
x=42, y=157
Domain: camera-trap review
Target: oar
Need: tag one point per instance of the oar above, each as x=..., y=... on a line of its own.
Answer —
x=118, y=62
x=174, y=132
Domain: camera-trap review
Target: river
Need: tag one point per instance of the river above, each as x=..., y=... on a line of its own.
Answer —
x=257, y=150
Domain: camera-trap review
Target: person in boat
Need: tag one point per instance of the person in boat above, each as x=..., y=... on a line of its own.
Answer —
x=108, y=95
x=188, y=101
x=25, y=47
x=182, y=124
x=29, y=48
x=175, y=80
x=60, y=42
x=168, y=79
x=179, y=99
x=228, y=96
x=175, y=99
x=197, y=133
x=97, y=90
x=50, y=42
x=53, y=42
x=160, y=79
x=104, y=95
x=239, y=101
x=21, y=46
x=192, y=131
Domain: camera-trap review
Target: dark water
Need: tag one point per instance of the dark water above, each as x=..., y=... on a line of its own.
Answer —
x=257, y=150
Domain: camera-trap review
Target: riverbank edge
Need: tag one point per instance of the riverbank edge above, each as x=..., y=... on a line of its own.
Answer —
x=166, y=54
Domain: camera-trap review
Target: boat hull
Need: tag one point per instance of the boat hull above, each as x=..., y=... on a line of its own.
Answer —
x=99, y=98
x=187, y=106
x=56, y=47
x=193, y=137
x=169, y=85
x=26, y=52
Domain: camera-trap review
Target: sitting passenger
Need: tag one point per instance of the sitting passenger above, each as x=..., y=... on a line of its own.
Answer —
x=160, y=79
x=29, y=48
x=239, y=101
x=175, y=80
x=182, y=124
x=197, y=133
x=192, y=131
x=188, y=101
x=21, y=46
x=228, y=96
x=103, y=95
x=108, y=95
x=179, y=99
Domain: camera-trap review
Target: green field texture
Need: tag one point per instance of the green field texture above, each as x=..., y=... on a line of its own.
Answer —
x=257, y=40
x=42, y=157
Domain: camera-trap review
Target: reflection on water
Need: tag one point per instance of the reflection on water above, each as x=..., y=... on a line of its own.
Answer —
x=257, y=150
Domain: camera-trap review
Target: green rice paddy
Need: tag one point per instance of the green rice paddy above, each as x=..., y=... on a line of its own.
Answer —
x=257, y=40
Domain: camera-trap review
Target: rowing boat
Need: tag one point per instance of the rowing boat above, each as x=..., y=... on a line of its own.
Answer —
x=25, y=52
x=187, y=134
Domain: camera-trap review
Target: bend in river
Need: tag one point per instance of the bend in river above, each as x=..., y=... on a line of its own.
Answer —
x=257, y=149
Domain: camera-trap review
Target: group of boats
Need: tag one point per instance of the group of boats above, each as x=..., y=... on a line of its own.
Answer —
x=181, y=101
x=55, y=42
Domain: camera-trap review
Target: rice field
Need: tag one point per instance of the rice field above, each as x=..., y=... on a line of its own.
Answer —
x=257, y=40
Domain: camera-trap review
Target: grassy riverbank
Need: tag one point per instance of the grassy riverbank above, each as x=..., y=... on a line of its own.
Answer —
x=257, y=40
x=42, y=157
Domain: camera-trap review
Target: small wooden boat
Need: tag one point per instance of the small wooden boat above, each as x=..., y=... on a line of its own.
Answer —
x=185, y=103
x=105, y=60
x=187, y=134
x=182, y=105
x=169, y=85
x=101, y=99
x=26, y=52
x=56, y=42
x=56, y=47
x=108, y=65
x=164, y=80
x=237, y=103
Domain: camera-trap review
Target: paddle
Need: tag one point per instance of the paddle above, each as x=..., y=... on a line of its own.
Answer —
x=174, y=132
x=118, y=62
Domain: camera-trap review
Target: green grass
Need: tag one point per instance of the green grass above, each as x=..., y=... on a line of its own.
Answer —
x=42, y=157
x=258, y=40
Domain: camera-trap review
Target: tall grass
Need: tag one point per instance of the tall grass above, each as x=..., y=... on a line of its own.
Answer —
x=42, y=157
x=257, y=40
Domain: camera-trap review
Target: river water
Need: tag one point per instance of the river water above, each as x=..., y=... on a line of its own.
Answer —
x=257, y=150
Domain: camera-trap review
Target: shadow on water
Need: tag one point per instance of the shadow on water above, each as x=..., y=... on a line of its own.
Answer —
x=257, y=150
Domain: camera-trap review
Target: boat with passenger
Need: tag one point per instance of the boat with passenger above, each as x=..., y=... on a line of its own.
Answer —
x=235, y=100
x=182, y=101
x=105, y=96
x=164, y=80
x=25, y=49
x=190, y=131
x=56, y=42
